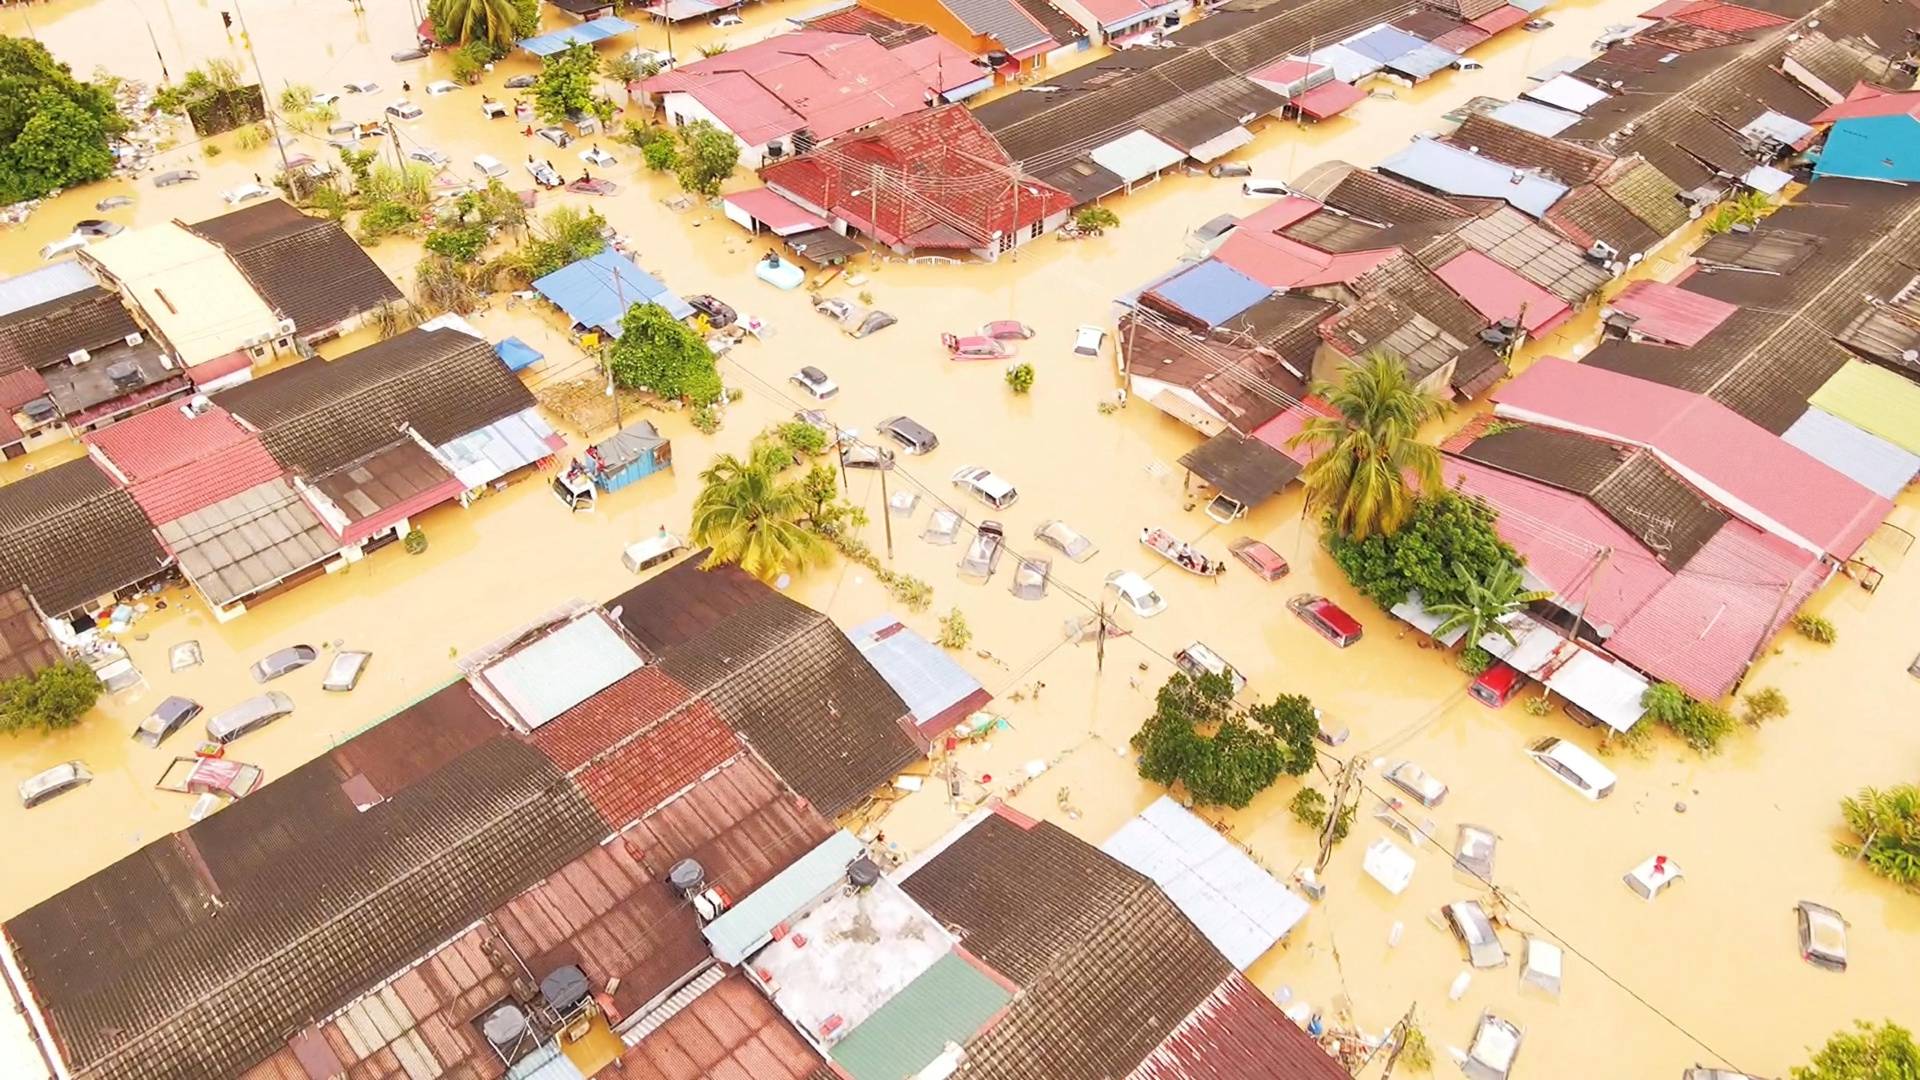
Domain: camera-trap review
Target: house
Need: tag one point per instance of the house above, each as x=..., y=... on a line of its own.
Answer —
x=306, y=268
x=183, y=458
x=1873, y=135
x=191, y=297
x=73, y=539
x=791, y=92
x=1003, y=32
x=933, y=182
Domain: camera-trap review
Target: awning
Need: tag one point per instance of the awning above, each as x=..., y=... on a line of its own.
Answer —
x=1423, y=62
x=823, y=246
x=1245, y=469
x=1601, y=685
x=1567, y=92
x=1766, y=179
x=1220, y=145
x=1328, y=99
x=587, y=33
x=781, y=215
x=517, y=354
x=1349, y=65
x=682, y=10
x=1135, y=156
x=489, y=453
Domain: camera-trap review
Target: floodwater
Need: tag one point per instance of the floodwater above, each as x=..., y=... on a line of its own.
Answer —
x=1713, y=959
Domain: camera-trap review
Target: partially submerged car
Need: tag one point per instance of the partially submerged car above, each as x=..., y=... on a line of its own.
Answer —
x=868, y=324
x=1652, y=877
x=1136, y=593
x=1575, y=767
x=490, y=167
x=367, y=86
x=1197, y=660
x=719, y=314
x=1257, y=556
x=1496, y=686
x=67, y=243
x=250, y=715
x=165, y=719
x=598, y=158
x=943, y=527
x=58, y=780
x=1823, y=935
x=97, y=228
x=866, y=456
x=975, y=347
x=245, y=193
x=114, y=202
x=1030, y=578
x=1473, y=849
x=986, y=486
x=1496, y=1043
x=1065, y=539
x=1088, y=340
x=405, y=110
x=913, y=436
x=815, y=382
x=441, y=86
x=1417, y=782
x=211, y=776
x=1220, y=169
x=175, y=176
x=1469, y=923
x=818, y=420
x=1007, y=330
x=1326, y=618
x=428, y=156
x=282, y=661
x=982, y=556
x=1542, y=964
x=345, y=669
x=833, y=307
x=556, y=135
x=520, y=82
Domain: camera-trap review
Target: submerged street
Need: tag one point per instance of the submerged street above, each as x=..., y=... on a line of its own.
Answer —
x=1707, y=973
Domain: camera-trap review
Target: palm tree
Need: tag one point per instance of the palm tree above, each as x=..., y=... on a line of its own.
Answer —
x=1483, y=604
x=1366, y=450
x=461, y=21
x=750, y=516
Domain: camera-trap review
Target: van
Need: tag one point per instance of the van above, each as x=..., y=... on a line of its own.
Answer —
x=250, y=715
x=1197, y=660
x=1496, y=685
x=1575, y=767
x=405, y=110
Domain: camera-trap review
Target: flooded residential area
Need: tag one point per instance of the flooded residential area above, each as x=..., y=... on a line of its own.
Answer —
x=686, y=744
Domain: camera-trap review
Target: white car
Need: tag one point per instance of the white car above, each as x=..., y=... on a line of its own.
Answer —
x=657, y=58
x=1651, y=878
x=405, y=110
x=985, y=485
x=1496, y=1043
x=1575, y=767
x=363, y=86
x=441, y=86
x=1265, y=188
x=44, y=785
x=427, y=155
x=728, y=18
x=598, y=158
x=1137, y=593
x=489, y=166
x=1417, y=782
x=1088, y=340
x=815, y=382
x=69, y=242
x=245, y=193
x=325, y=98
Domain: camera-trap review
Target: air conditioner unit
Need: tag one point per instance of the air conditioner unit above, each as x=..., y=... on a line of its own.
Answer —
x=1602, y=250
x=79, y=356
x=134, y=339
x=285, y=327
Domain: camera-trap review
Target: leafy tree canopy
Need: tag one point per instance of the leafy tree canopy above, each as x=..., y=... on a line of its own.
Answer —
x=1448, y=541
x=566, y=81
x=1885, y=823
x=707, y=157
x=1225, y=754
x=1366, y=450
x=54, y=129
x=495, y=22
x=751, y=515
x=53, y=699
x=1883, y=1051
x=663, y=354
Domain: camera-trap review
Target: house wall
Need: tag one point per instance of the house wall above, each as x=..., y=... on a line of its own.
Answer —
x=1177, y=402
x=1872, y=148
x=682, y=108
x=934, y=14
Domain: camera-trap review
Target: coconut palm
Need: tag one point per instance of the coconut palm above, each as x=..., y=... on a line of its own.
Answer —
x=461, y=21
x=1887, y=822
x=1484, y=603
x=751, y=516
x=1365, y=452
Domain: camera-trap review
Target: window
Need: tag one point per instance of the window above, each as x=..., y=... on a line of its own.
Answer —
x=1038, y=227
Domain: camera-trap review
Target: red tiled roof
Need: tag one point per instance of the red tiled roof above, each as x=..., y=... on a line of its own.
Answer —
x=1235, y=1034
x=218, y=368
x=732, y=1030
x=1670, y=314
x=1868, y=100
x=19, y=387
x=1285, y=71
x=1329, y=99
x=9, y=431
x=1751, y=472
x=1498, y=293
x=1460, y=39
x=1731, y=18
x=1501, y=18
x=175, y=465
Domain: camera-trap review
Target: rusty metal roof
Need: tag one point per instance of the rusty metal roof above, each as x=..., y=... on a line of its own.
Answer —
x=25, y=646
x=48, y=332
x=69, y=535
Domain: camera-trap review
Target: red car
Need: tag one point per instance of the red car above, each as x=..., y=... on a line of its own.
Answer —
x=1497, y=685
x=1007, y=330
x=1265, y=562
x=1326, y=618
x=976, y=348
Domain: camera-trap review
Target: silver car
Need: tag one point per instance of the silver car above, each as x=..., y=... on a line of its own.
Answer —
x=1418, y=783
x=1496, y=1043
x=58, y=780
x=1469, y=922
x=250, y=715
x=166, y=718
x=1065, y=539
x=343, y=673
x=282, y=661
x=1823, y=936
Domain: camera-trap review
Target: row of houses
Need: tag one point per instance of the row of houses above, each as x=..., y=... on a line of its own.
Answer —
x=609, y=850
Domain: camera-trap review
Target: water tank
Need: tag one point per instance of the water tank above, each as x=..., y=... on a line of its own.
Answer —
x=505, y=1027
x=687, y=877
x=863, y=873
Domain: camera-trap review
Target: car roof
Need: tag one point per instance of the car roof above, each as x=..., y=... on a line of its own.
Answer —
x=1336, y=617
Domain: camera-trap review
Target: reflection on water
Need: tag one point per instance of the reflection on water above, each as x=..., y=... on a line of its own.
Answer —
x=1717, y=953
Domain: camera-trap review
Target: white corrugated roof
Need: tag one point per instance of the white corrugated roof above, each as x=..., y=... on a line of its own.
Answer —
x=1606, y=688
x=561, y=670
x=50, y=282
x=1135, y=155
x=1567, y=92
x=1870, y=460
x=1241, y=909
x=1535, y=117
x=1349, y=65
x=484, y=455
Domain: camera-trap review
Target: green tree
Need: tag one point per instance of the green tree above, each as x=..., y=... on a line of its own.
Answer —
x=470, y=60
x=562, y=238
x=664, y=355
x=1886, y=826
x=1020, y=378
x=802, y=438
x=1223, y=753
x=707, y=156
x=1700, y=724
x=460, y=241
x=495, y=22
x=54, y=129
x=1883, y=1051
x=526, y=18
x=52, y=699
x=1483, y=602
x=1448, y=535
x=566, y=81
x=658, y=148
x=1095, y=219
x=749, y=515
x=1365, y=452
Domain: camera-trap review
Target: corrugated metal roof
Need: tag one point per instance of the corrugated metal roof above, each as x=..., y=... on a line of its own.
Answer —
x=1238, y=1033
x=1662, y=312
x=1499, y=293
x=938, y=691
x=1211, y=292
x=1384, y=44
x=1566, y=92
x=948, y=1003
x=249, y=542
x=1872, y=461
x=1135, y=155
x=597, y=291
x=1349, y=65
x=1423, y=62
x=50, y=282
x=485, y=454
x=1874, y=400
x=749, y=923
x=1000, y=20
x=1535, y=117
x=1453, y=171
x=1236, y=904
x=540, y=681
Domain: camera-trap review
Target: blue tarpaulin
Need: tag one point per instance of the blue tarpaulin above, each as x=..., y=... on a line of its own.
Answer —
x=517, y=354
x=597, y=292
x=1212, y=292
x=586, y=33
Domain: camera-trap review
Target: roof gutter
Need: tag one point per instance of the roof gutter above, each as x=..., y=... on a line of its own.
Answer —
x=23, y=995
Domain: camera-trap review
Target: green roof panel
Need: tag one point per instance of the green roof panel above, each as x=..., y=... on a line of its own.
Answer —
x=1874, y=400
x=948, y=1003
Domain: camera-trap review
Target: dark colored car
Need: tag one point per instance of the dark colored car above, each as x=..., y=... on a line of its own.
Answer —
x=165, y=719
x=98, y=228
x=866, y=456
x=913, y=436
x=718, y=314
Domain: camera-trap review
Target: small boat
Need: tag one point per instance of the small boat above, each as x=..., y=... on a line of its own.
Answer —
x=1180, y=553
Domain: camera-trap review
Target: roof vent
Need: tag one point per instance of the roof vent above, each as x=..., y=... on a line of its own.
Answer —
x=864, y=873
x=687, y=877
x=1910, y=356
x=134, y=339
x=505, y=1027
x=79, y=356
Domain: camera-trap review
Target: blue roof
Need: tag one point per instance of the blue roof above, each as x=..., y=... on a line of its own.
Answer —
x=1423, y=61
x=1385, y=44
x=597, y=291
x=587, y=33
x=1212, y=292
x=925, y=675
x=517, y=354
x=1453, y=171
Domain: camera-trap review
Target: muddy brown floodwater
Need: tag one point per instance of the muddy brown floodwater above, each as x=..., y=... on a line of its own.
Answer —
x=1709, y=969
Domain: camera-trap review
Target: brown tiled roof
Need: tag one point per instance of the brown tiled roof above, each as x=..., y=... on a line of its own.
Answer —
x=1059, y=25
x=203, y=951
x=1245, y=386
x=1533, y=251
x=780, y=675
x=1243, y=468
x=319, y=415
x=1383, y=323
x=306, y=267
x=1569, y=163
x=25, y=646
x=1381, y=198
x=69, y=535
x=731, y=1031
x=1404, y=279
x=46, y=333
x=1286, y=323
x=1765, y=248
x=1238, y=1033
x=1834, y=64
x=1648, y=194
x=1587, y=214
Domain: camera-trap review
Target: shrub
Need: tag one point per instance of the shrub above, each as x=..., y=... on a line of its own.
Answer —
x=470, y=60
x=386, y=218
x=1474, y=660
x=1815, y=628
x=52, y=699
x=1884, y=1051
x=706, y=419
x=802, y=438
x=1310, y=809
x=1095, y=219
x=462, y=243
x=1538, y=705
x=1763, y=705
x=415, y=541
x=1885, y=823
x=1020, y=378
x=1699, y=724
x=663, y=354
x=213, y=150
x=954, y=631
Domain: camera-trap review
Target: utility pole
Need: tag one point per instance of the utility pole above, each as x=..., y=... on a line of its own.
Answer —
x=886, y=510
x=841, y=457
x=1349, y=773
x=265, y=105
x=1100, y=640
